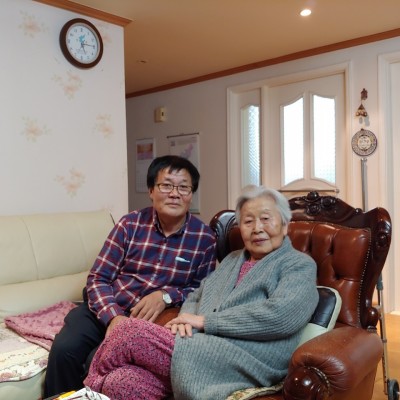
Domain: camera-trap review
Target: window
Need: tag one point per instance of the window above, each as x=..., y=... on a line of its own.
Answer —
x=250, y=118
x=293, y=141
x=324, y=143
x=320, y=154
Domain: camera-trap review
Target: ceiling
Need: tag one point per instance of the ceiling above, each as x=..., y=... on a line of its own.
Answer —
x=170, y=41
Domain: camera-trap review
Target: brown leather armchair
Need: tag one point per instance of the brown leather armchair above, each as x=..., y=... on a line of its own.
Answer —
x=350, y=248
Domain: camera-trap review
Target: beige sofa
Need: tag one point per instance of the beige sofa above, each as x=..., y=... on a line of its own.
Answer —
x=44, y=259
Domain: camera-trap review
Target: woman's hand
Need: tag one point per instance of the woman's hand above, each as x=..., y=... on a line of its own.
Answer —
x=184, y=323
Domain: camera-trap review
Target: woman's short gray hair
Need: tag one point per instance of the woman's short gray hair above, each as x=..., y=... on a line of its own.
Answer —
x=252, y=192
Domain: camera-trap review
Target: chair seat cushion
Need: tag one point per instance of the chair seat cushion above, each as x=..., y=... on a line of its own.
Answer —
x=252, y=393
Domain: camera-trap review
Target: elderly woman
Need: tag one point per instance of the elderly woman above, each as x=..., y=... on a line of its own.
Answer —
x=237, y=330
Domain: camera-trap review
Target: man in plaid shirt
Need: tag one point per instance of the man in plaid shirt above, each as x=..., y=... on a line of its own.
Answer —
x=151, y=260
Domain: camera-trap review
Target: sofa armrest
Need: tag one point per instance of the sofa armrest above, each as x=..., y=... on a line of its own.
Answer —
x=336, y=361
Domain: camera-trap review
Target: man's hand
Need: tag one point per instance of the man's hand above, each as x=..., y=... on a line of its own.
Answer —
x=114, y=322
x=149, y=307
x=184, y=323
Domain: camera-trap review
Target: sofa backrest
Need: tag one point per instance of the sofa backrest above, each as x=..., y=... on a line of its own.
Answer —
x=348, y=245
x=45, y=258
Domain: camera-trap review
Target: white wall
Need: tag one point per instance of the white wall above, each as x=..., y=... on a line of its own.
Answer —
x=62, y=129
x=196, y=108
x=202, y=107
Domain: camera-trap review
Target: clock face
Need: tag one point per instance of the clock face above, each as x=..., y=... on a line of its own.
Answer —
x=364, y=143
x=81, y=43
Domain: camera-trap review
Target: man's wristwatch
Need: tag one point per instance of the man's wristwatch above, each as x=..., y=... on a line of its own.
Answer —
x=166, y=298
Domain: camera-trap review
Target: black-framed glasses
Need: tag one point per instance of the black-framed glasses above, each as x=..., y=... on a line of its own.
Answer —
x=183, y=190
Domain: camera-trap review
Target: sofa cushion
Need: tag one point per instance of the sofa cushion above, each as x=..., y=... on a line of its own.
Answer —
x=45, y=258
x=252, y=393
x=30, y=296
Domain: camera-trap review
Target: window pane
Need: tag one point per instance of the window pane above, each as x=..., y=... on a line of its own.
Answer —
x=251, y=145
x=293, y=141
x=324, y=138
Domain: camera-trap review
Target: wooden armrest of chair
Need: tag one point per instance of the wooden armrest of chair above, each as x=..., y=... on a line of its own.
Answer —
x=167, y=315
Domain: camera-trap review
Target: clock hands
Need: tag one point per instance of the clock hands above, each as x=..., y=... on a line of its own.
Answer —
x=86, y=44
x=83, y=43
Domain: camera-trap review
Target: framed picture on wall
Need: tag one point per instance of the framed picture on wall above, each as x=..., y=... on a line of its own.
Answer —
x=187, y=145
x=145, y=154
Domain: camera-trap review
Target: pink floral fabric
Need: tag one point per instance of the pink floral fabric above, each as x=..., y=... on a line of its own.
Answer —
x=133, y=362
x=41, y=326
x=19, y=359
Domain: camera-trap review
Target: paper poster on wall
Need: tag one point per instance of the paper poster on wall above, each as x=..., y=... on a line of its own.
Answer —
x=145, y=154
x=187, y=145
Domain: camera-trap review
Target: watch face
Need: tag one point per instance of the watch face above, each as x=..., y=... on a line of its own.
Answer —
x=364, y=143
x=81, y=43
x=167, y=298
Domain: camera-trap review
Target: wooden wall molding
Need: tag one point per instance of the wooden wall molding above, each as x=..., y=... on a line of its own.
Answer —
x=278, y=60
x=88, y=11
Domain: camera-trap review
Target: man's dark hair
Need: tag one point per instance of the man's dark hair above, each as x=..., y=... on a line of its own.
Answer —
x=172, y=163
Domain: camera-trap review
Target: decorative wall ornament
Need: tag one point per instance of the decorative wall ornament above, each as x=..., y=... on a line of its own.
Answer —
x=361, y=111
x=364, y=142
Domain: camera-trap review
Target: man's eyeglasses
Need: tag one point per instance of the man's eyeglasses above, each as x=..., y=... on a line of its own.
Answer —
x=183, y=190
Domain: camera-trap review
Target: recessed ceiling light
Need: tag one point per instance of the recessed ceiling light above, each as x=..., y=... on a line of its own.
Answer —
x=306, y=12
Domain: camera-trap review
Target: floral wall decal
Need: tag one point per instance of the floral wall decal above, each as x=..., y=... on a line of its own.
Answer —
x=32, y=130
x=103, y=125
x=70, y=84
x=30, y=26
x=73, y=183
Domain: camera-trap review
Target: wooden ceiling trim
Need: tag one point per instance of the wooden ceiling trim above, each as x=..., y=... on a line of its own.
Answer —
x=88, y=11
x=278, y=60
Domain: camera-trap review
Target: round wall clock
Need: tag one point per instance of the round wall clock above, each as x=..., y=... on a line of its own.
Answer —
x=364, y=142
x=81, y=43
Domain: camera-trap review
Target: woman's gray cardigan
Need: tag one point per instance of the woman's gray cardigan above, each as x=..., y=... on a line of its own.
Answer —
x=250, y=331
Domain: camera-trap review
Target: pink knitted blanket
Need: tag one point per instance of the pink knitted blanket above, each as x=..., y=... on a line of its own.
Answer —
x=40, y=327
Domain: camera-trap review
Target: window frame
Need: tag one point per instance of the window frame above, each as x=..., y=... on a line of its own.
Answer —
x=234, y=126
